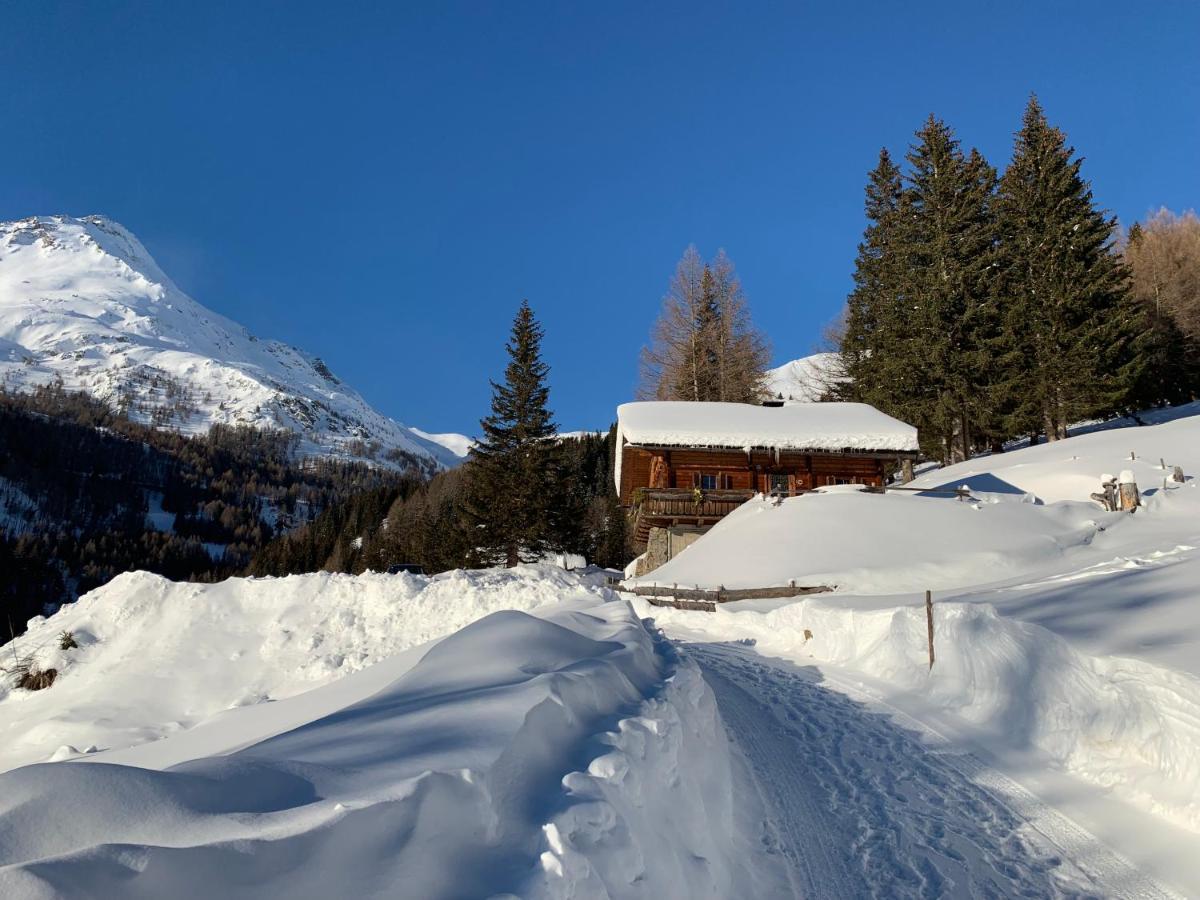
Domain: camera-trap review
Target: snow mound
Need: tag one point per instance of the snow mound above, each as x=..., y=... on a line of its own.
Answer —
x=82, y=300
x=460, y=776
x=157, y=657
x=878, y=543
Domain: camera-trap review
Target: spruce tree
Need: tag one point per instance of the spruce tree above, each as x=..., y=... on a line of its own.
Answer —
x=511, y=474
x=947, y=246
x=1070, y=332
x=921, y=311
x=874, y=343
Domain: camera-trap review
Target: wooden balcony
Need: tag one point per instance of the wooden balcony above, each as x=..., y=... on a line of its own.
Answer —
x=663, y=507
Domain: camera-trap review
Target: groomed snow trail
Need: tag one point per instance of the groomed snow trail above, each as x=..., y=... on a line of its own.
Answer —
x=862, y=807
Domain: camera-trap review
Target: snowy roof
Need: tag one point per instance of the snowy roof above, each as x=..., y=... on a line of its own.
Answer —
x=829, y=427
x=794, y=426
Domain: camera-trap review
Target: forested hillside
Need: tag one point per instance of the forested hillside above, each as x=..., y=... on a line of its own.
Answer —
x=429, y=524
x=85, y=494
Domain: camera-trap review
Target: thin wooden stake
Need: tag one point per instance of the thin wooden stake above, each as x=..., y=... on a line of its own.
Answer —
x=929, y=623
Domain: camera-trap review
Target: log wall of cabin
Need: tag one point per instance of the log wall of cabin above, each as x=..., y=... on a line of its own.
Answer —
x=678, y=468
x=635, y=472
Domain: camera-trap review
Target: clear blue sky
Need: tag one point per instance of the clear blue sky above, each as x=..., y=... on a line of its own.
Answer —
x=381, y=183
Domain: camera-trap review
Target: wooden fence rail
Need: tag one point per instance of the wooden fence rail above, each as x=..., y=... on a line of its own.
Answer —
x=723, y=595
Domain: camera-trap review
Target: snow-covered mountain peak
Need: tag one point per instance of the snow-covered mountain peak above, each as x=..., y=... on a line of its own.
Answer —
x=84, y=302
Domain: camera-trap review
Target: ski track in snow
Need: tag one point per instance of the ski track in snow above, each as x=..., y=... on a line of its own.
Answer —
x=862, y=807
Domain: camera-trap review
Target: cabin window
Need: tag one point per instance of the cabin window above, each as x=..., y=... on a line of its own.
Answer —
x=777, y=483
x=704, y=481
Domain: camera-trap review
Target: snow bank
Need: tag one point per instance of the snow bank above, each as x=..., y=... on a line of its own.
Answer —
x=878, y=543
x=157, y=657
x=1123, y=724
x=664, y=783
x=532, y=754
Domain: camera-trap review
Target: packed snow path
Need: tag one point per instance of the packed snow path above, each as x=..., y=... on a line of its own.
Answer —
x=858, y=806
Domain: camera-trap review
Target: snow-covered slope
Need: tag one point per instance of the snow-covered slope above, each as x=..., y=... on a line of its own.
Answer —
x=807, y=379
x=557, y=750
x=1067, y=638
x=879, y=544
x=458, y=444
x=81, y=300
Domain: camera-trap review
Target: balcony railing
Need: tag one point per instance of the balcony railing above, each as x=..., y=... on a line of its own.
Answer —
x=682, y=506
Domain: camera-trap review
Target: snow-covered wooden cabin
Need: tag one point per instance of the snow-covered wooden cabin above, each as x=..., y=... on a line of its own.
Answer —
x=682, y=466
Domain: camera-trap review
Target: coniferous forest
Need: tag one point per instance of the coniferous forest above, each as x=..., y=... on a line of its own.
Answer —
x=524, y=492
x=988, y=308
x=96, y=494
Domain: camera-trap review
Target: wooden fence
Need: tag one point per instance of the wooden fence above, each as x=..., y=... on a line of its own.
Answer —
x=700, y=598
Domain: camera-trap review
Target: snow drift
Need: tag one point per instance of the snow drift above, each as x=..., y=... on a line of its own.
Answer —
x=542, y=753
x=157, y=657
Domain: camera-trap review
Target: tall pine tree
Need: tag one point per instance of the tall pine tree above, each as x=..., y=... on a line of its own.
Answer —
x=1070, y=341
x=512, y=471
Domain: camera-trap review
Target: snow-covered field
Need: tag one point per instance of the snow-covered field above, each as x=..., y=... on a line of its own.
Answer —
x=527, y=733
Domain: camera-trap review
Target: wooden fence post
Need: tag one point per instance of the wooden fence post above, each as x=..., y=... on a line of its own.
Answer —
x=929, y=624
x=1130, y=497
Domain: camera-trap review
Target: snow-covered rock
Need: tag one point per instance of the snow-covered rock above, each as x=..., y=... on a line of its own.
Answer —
x=81, y=300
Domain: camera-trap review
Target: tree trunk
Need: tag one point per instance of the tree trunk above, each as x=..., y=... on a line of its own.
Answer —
x=1051, y=427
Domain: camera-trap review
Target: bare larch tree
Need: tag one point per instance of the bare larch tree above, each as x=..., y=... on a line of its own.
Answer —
x=704, y=346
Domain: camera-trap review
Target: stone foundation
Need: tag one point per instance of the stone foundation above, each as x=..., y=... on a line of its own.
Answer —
x=665, y=544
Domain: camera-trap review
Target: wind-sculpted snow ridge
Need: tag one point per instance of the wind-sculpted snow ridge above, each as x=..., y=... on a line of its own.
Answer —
x=83, y=302
x=461, y=774
x=156, y=657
